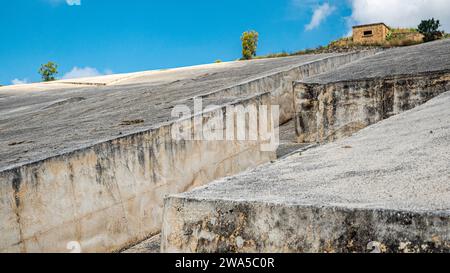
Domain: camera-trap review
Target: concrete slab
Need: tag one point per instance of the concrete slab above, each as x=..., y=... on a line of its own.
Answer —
x=325, y=112
x=151, y=245
x=336, y=104
x=428, y=57
x=60, y=117
x=101, y=158
x=384, y=188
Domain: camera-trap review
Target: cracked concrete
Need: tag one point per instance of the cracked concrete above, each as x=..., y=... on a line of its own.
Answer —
x=52, y=118
x=91, y=162
x=387, y=183
x=428, y=57
x=385, y=186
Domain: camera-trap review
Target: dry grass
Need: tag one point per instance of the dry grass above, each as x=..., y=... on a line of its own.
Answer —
x=401, y=42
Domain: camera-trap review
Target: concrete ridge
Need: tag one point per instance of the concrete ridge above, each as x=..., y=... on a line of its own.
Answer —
x=156, y=126
x=86, y=83
x=136, y=74
x=390, y=77
x=287, y=69
x=384, y=184
x=433, y=104
x=438, y=213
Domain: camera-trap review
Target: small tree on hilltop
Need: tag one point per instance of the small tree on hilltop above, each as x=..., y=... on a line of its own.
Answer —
x=48, y=71
x=249, y=44
x=430, y=29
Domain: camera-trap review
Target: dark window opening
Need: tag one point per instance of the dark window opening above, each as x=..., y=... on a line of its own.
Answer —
x=368, y=33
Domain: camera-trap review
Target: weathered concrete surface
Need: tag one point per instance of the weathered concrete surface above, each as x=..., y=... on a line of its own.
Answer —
x=385, y=186
x=287, y=145
x=73, y=169
x=110, y=195
x=409, y=60
x=336, y=104
x=288, y=140
x=81, y=116
x=151, y=245
x=325, y=112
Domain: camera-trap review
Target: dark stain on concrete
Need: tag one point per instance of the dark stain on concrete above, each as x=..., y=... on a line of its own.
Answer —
x=385, y=95
x=16, y=183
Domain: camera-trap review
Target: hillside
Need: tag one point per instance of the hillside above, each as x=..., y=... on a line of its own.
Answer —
x=397, y=37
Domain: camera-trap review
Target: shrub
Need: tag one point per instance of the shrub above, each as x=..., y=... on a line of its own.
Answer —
x=430, y=29
x=48, y=71
x=389, y=36
x=249, y=44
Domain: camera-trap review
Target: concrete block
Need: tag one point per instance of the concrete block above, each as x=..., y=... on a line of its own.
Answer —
x=384, y=189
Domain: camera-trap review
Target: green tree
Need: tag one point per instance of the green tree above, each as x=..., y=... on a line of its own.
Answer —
x=430, y=29
x=48, y=71
x=249, y=44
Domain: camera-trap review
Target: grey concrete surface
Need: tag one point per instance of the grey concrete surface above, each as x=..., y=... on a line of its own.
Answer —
x=428, y=57
x=400, y=163
x=389, y=181
x=325, y=112
x=151, y=245
x=43, y=120
x=288, y=143
x=92, y=160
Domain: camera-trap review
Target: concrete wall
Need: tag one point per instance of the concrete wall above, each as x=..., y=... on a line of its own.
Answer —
x=221, y=226
x=325, y=112
x=110, y=195
x=280, y=84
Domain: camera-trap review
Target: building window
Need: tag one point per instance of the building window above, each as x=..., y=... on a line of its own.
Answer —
x=368, y=33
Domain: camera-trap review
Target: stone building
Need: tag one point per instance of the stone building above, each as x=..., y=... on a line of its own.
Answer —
x=370, y=34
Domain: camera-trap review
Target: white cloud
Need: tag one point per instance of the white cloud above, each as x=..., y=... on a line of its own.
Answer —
x=18, y=81
x=83, y=72
x=68, y=2
x=108, y=72
x=73, y=2
x=400, y=13
x=319, y=15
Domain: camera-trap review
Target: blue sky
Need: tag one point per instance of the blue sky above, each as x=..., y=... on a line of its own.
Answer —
x=88, y=37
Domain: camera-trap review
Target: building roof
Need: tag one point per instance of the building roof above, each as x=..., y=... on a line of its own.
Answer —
x=368, y=25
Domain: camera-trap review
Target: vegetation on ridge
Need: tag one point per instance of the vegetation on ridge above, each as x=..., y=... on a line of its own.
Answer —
x=48, y=71
x=249, y=41
x=428, y=30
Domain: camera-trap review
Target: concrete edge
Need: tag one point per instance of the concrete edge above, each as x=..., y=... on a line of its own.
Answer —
x=187, y=228
x=269, y=74
x=70, y=151
x=390, y=77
